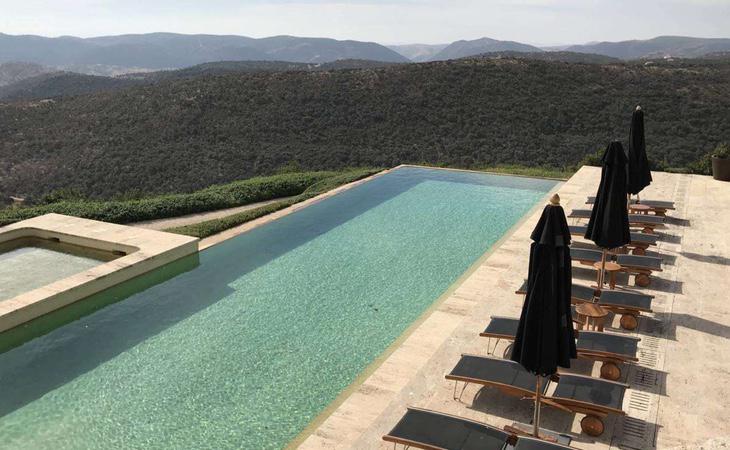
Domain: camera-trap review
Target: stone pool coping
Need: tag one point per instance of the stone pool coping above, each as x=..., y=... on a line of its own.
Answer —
x=144, y=251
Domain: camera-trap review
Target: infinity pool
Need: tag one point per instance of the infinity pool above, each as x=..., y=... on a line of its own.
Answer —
x=246, y=349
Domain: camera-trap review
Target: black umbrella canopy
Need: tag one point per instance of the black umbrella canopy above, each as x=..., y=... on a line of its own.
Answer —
x=545, y=337
x=609, y=223
x=639, y=173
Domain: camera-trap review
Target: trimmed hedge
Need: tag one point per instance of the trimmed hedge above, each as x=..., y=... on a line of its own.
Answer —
x=214, y=226
x=215, y=197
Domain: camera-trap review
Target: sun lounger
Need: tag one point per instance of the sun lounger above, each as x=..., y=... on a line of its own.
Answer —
x=639, y=241
x=609, y=348
x=647, y=222
x=431, y=430
x=629, y=304
x=659, y=207
x=595, y=397
x=640, y=266
x=426, y=429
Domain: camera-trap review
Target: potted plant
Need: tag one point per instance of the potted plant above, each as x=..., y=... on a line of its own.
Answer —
x=721, y=163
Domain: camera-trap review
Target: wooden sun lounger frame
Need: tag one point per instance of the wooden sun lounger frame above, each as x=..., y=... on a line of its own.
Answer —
x=635, y=221
x=639, y=248
x=594, y=413
x=610, y=369
x=642, y=274
x=658, y=210
x=629, y=315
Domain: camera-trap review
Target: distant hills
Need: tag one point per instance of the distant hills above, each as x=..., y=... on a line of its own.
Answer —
x=179, y=134
x=61, y=83
x=171, y=51
x=12, y=72
x=461, y=49
x=676, y=46
x=115, y=55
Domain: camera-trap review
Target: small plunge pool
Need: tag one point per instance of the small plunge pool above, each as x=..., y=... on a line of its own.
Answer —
x=29, y=263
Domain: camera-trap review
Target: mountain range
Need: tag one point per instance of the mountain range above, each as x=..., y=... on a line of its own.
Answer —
x=114, y=55
x=171, y=51
x=676, y=46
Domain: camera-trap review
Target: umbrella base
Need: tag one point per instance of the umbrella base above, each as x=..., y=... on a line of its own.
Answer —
x=523, y=429
x=610, y=371
x=592, y=426
x=629, y=322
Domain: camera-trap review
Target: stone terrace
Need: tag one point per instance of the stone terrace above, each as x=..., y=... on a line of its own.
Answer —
x=679, y=388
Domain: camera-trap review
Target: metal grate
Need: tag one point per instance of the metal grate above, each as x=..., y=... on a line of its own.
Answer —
x=640, y=401
x=635, y=435
x=644, y=377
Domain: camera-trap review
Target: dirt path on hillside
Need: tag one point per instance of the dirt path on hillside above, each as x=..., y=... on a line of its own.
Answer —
x=162, y=224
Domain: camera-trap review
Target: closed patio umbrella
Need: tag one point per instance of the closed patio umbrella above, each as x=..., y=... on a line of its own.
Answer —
x=545, y=338
x=608, y=226
x=638, y=170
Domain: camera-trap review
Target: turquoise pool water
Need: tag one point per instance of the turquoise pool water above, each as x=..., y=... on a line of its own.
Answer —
x=246, y=349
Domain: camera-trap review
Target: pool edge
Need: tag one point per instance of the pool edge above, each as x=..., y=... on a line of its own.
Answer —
x=352, y=388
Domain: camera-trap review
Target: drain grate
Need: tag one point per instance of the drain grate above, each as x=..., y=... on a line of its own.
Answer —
x=635, y=434
x=648, y=357
x=644, y=377
x=640, y=401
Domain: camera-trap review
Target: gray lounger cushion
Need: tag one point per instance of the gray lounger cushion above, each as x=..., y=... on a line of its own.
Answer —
x=445, y=431
x=496, y=370
x=628, y=261
x=642, y=262
x=636, y=238
x=576, y=291
x=630, y=300
x=617, y=344
x=590, y=390
x=586, y=254
x=529, y=443
x=502, y=326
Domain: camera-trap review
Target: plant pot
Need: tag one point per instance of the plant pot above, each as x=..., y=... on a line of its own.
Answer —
x=721, y=169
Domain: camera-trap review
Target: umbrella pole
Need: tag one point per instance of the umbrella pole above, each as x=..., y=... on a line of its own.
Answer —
x=603, y=269
x=536, y=417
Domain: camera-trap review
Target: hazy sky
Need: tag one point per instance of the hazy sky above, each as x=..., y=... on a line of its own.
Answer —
x=542, y=22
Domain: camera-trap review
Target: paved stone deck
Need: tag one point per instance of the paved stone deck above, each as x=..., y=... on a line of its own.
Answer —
x=679, y=389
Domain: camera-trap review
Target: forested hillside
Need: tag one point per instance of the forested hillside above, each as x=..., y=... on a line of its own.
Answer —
x=185, y=134
x=59, y=84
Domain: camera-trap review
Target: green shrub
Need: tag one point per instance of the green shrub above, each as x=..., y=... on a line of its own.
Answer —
x=592, y=159
x=214, y=226
x=215, y=197
x=721, y=151
x=703, y=166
